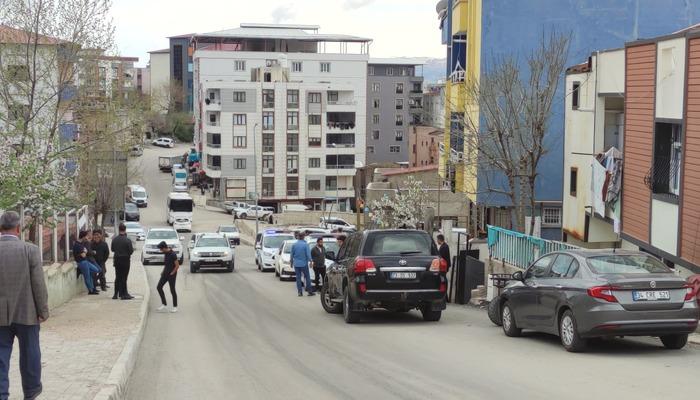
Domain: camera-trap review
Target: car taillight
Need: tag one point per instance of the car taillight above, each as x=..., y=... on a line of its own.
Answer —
x=364, y=265
x=438, y=265
x=689, y=292
x=603, y=293
x=443, y=287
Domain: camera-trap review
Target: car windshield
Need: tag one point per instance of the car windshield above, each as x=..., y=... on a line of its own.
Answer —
x=275, y=241
x=228, y=229
x=212, y=242
x=138, y=194
x=627, y=264
x=132, y=225
x=152, y=235
x=403, y=243
x=130, y=207
x=287, y=248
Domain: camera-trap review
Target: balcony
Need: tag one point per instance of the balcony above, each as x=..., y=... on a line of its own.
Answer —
x=214, y=140
x=340, y=166
x=268, y=149
x=292, y=193
x=340, y=120
x=212, y=105
x=293, y=148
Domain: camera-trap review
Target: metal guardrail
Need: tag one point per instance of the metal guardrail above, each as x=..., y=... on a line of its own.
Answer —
x=520, y=250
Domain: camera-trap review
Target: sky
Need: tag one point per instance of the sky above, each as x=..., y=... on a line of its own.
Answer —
x=399, y=28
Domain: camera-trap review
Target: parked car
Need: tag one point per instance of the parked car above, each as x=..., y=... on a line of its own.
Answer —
x=232, y=234
x=283, y=265
x=397, y=270
x=151, y=252
x=229, y=206
x=211, y=250
x=137, y=194
x=163, y=142
x=135, y=231
x=333, y=223
x=270, y=242
x=251, y=212
x=136, y=151
x=130, y=212
x=583, y=294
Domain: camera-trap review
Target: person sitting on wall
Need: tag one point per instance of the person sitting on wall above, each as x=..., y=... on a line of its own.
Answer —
x=80, y=254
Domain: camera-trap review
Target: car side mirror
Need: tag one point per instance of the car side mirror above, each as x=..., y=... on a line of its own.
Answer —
x=258, y=247
x=518, y=276
x=330, y=255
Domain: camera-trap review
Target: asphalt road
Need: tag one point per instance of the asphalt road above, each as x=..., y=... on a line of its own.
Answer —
x=246, y=335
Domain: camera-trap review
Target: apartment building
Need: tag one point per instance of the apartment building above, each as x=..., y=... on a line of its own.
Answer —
x=394, y=105
x=280, y=110
x=424, y=143
x=181, y=68
x=159, y=73
x=434, y=105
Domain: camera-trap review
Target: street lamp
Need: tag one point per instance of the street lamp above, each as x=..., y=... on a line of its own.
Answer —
x=255, y=178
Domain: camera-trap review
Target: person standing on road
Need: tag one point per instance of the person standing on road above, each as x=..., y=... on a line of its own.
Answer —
x=301, y=258
x=122, y=249
x=101, y=249
x=87, y=268
x=444, y=250
x=318, y=254
x=23, y=306
x=169, y=275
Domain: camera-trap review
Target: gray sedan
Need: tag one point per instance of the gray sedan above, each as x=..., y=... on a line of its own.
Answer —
x=582, y=294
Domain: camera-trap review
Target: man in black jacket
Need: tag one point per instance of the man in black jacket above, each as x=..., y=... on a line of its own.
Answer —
x=122, y=249
x=101, y=250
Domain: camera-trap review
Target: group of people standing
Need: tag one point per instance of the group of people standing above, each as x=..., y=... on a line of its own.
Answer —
x=303, y=257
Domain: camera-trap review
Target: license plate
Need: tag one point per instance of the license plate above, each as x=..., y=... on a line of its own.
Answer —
x=402, y=275
x=650, y=295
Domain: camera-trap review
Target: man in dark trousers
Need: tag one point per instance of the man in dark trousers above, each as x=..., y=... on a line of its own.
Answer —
x=101, y=250
x=318, y=257
x=168, y=275
x=444, y=250
x=122, y=249
x=90, y=255
x=24, y=302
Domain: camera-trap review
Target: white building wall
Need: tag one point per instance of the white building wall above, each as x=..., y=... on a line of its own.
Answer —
x=670, y=77
x=159, y=67
x=611, y=71
x=664, y=226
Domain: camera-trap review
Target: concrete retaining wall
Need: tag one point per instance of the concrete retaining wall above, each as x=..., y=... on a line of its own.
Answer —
x=62, y=283
x=310, y=217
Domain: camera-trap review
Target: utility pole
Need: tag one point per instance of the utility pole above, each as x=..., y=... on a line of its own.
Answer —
x=255, y=177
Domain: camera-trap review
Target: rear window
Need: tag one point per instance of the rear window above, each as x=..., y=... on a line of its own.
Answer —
x=627, y=264
x=403, y=243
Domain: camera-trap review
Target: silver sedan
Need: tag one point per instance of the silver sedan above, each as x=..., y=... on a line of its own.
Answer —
x=135, y=231
x=582, y=294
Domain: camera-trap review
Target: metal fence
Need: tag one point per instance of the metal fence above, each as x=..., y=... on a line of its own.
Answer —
x=520, y=250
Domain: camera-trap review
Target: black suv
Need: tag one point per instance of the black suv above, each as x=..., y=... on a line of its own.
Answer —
x=397, y=270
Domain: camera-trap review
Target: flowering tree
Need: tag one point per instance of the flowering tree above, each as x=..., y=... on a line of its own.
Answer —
x=406, y=209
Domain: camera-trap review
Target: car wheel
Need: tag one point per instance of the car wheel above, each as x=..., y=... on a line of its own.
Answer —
x=330, y=306
x=230, y=269
x=192, y=268
x=349, y=315
x=429, y=314
x=495, y=312
x=674, y=342
x=277, y=272
x=243, y=216
x=508, y=320
x=568, y=333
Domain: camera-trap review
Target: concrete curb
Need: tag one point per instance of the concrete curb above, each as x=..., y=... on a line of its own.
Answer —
x=116, y=383
x=694, y=338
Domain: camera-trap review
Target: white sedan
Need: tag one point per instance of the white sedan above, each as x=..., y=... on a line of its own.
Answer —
x=164, y=142
x=135, y=231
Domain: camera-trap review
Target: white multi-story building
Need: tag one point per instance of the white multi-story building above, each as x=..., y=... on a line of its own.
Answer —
x=283, y=106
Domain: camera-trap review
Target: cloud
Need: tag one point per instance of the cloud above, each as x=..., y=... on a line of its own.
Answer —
x=282, y=14
x=355, y=4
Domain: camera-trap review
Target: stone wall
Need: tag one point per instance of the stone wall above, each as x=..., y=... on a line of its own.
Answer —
x=62, y=283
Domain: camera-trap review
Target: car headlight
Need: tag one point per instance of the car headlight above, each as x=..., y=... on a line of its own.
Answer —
x=227, y=253
x=195, y=253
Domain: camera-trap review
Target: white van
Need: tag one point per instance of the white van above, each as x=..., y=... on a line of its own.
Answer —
x=178, y=211
x=137, y=194
x=294, y=207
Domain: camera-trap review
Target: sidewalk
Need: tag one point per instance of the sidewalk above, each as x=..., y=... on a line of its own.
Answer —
x=89, y=344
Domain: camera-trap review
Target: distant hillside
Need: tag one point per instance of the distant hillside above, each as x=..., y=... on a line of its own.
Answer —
x=434, y=69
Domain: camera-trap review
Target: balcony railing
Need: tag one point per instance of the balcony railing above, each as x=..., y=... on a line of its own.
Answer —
x=292, y=192
x=268, y=149
x=293, y=105
x=340, y=166
x=294, y=127
x=213, y=145
x=341, y=125
x=293, y=148
x=268, y=104
x=340, y=145
x=214, y=167
x=520, y=250
x=664, y=176
x=268, y=193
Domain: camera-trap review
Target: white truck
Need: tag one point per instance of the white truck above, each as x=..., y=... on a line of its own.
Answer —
x=252, y=212
x=178, y=209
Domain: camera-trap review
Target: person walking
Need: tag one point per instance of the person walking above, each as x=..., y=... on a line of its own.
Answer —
x=301, y=258
x=318, y=255
x=88, y=269
x=23, y=306
x=444, y=250
x=101, y=250
x=169, y=275
x=122, y=249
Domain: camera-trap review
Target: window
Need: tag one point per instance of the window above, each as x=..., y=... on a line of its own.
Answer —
x=292, y=120
x=239, y=119
x=399, y=135
x=268, y=186
x=268, y=142
x=325, y=67
x=292, y=142
x=292, y=164
x=399, y=88
x=177, y=66
x=561, y=266
x=214, y=140
x=394, y=149
x=314, y=98
x=331, y=183
x=390, y=71
x=292, y=99
x=314, y=162
x=239, y=163
x=540, y=267
x=575, y=90
x=370, y=70
x=314, y=119
x=297, y=66
x=268, y=163
x=314, y=185
x=212, y=95
x=240, y=141
x=292, y=186
x=573, y=181
x=370, y=149
x=239, y=65
x=375, y=119
x=332, y=97
x=664, y=177
x=268, y=98
x=239, y=97
x=375, y=103
x=551, y=216
x=17, y=73
x=375, y=135
x=399, y=104
x=399, y=120
x=376, y=87
x=402, y=72
x=213, y=119
x=314, y=142
x=268, y=120
x=214, y=162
